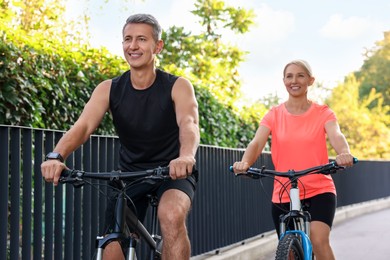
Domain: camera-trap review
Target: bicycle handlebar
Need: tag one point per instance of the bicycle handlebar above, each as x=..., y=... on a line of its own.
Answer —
x=328, y=168
x=76, y=177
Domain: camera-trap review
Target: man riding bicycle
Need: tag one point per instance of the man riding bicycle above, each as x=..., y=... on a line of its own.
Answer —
x=155, y=115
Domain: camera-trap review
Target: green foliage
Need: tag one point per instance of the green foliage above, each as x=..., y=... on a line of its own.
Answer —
x=214, y=15
x=375, y=72
x=45, y=81
x=46, y=86
x=220, y=126
x=364, y=125
x=19, y=102
x=362, y=104
x=214, y=62
x=212, y=66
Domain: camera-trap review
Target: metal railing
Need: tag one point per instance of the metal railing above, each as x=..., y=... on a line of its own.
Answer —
x=46, y=222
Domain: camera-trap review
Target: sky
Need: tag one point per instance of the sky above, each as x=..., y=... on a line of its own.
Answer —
x=332, y=35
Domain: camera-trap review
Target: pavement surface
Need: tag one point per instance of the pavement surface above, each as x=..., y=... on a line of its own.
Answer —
x=360, y=231
x=362, y=237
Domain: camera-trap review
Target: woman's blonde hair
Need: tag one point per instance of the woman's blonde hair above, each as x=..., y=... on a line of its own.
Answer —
x=302, y=63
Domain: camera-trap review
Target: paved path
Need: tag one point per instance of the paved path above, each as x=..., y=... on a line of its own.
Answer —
x=362, y=237
x=360, y=231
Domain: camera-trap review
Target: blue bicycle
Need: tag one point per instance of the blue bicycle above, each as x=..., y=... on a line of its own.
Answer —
x=294, y=243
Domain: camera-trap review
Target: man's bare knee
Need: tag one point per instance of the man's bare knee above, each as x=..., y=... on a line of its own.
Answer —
x=113, y=251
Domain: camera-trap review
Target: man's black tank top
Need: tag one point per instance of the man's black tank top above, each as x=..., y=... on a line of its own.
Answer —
x=145, y=121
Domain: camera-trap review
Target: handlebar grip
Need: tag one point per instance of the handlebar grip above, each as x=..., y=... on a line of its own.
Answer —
x=355, y=160
x=231, y=168
x=70, y=174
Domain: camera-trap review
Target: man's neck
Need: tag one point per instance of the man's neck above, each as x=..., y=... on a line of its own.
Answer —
x=142, y=79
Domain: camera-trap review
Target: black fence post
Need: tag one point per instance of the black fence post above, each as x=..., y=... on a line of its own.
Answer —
x=15, y=193
x=4, y=198
x=27, y=146
x=38, y=193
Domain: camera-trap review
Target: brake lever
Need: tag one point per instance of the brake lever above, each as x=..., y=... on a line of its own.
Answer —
x=253, y=176
x=331, y=169
x=76, y=182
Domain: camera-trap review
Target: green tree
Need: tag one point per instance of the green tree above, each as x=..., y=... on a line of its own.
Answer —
x=34, y=17
x=362, y=103
x=365, y=125
x=46, y=75
x=45, y=81
x=375, y=72
x=214, y=62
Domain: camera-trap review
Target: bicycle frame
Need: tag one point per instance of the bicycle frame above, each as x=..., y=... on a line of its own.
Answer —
x=297, y=214
x=125, y=219
x=128, y=229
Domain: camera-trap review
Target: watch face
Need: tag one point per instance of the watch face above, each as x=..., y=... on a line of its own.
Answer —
x=54, y=155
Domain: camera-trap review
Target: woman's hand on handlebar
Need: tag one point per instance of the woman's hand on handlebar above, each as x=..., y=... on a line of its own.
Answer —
x=345, y=159
x=240, y=167
x=51, y=170
x=181, y=167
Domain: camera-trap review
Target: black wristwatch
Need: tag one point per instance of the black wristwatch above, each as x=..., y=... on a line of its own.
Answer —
x=54, y=156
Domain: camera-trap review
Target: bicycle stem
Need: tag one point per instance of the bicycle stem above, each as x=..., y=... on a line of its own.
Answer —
x=295, y=203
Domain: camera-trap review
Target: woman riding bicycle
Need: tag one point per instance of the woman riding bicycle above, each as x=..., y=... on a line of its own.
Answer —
x=299, y=128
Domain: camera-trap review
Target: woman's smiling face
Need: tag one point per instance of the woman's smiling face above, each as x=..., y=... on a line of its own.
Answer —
x=297, y=79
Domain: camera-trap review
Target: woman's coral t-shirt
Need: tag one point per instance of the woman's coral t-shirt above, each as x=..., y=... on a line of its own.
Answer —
x=299, y=142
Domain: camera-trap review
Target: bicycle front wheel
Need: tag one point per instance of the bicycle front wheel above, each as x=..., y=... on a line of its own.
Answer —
x=289, y=248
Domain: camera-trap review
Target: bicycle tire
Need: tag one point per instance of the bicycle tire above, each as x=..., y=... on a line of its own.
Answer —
x=289, y=247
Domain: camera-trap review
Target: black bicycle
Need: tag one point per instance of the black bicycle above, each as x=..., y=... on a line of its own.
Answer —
x=128, y=228
x=294, y=243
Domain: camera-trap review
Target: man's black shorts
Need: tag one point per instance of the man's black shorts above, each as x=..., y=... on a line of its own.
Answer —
x=138, y=193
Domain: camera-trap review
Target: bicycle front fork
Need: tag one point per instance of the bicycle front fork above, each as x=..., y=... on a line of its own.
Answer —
x=128, y=244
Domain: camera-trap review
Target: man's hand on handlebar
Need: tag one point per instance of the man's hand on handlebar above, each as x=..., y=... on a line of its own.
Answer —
x=51, y=170
x=181, y=167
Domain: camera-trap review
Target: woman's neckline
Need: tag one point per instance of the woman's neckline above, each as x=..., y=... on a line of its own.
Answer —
x=299, y=109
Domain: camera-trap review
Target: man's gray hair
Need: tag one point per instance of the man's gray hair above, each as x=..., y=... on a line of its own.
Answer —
x=146, y=19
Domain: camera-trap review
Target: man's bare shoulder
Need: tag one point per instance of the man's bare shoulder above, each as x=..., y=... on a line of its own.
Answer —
x=104, y=86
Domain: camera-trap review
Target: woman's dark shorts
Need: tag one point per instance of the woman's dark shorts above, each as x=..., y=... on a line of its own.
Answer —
x=321, y=207
x=138, y=193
